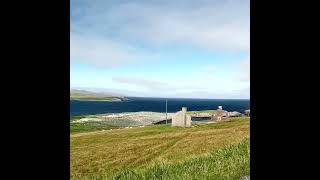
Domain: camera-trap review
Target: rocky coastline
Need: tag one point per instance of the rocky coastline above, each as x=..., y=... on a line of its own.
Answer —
x=140, y=118
x=127, y=118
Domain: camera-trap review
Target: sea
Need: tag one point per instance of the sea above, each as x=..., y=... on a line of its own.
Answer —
x=136, y=104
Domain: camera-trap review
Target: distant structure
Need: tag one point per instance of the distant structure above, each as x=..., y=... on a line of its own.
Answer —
x=247, y=112
x=181, y=118
x=219, y=114
x=234, y=114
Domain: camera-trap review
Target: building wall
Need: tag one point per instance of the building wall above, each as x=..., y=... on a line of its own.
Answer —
x=181, y=118
x=178, y=119
x=188, y=121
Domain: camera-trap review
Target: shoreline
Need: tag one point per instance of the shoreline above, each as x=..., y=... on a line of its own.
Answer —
x=132, y=119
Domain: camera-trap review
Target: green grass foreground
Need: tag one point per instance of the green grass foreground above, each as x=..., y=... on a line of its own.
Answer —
x=232, y=162
x=206, y=151
x=90, y=126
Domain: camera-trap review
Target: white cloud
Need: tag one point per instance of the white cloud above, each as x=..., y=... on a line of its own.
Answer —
x=103, y=52
x=211, y=25
x=122, y=32
x=211, y=69
x=207, y=94
x=157, y=86
x=141, y=82
x=191, y=89
x=244, y=71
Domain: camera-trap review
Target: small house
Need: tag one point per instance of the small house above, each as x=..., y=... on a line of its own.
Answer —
x=219, y=114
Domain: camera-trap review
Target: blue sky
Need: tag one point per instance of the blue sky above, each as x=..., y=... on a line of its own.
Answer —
x=161, y=48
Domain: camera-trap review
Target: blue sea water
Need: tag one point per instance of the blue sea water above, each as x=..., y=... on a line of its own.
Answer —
x=136, y=104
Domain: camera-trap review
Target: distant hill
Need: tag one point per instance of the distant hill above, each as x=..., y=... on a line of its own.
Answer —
x=83, y=95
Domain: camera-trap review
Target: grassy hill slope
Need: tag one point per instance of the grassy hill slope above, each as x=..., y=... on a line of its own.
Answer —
x=231, y=162
x=83, y=95
x=163, y=151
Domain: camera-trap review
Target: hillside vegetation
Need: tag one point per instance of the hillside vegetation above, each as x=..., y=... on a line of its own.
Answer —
x=206, y=151
x=82, y=95
x=231, y=162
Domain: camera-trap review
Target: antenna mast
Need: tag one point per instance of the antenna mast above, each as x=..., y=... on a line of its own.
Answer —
x=166, y=111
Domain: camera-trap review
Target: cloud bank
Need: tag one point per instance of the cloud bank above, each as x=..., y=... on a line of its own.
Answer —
x=141, y=82
x=121, y=27
x=244, y=71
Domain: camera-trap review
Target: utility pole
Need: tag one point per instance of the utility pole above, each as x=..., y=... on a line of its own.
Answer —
x=166, y=111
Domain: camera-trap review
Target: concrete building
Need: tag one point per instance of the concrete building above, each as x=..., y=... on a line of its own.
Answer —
x=219, y=114
x=181, y=118
x=247, y=112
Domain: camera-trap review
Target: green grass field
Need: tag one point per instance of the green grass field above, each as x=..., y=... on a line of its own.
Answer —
x=203, y=111
x=89, y=127
x=206, y=151
x=232, y=162
x=74, y=118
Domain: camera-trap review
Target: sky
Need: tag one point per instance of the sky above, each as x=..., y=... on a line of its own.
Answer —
x=152, y=48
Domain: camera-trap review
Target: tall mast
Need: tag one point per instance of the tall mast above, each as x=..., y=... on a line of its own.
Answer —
x=166, y=111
